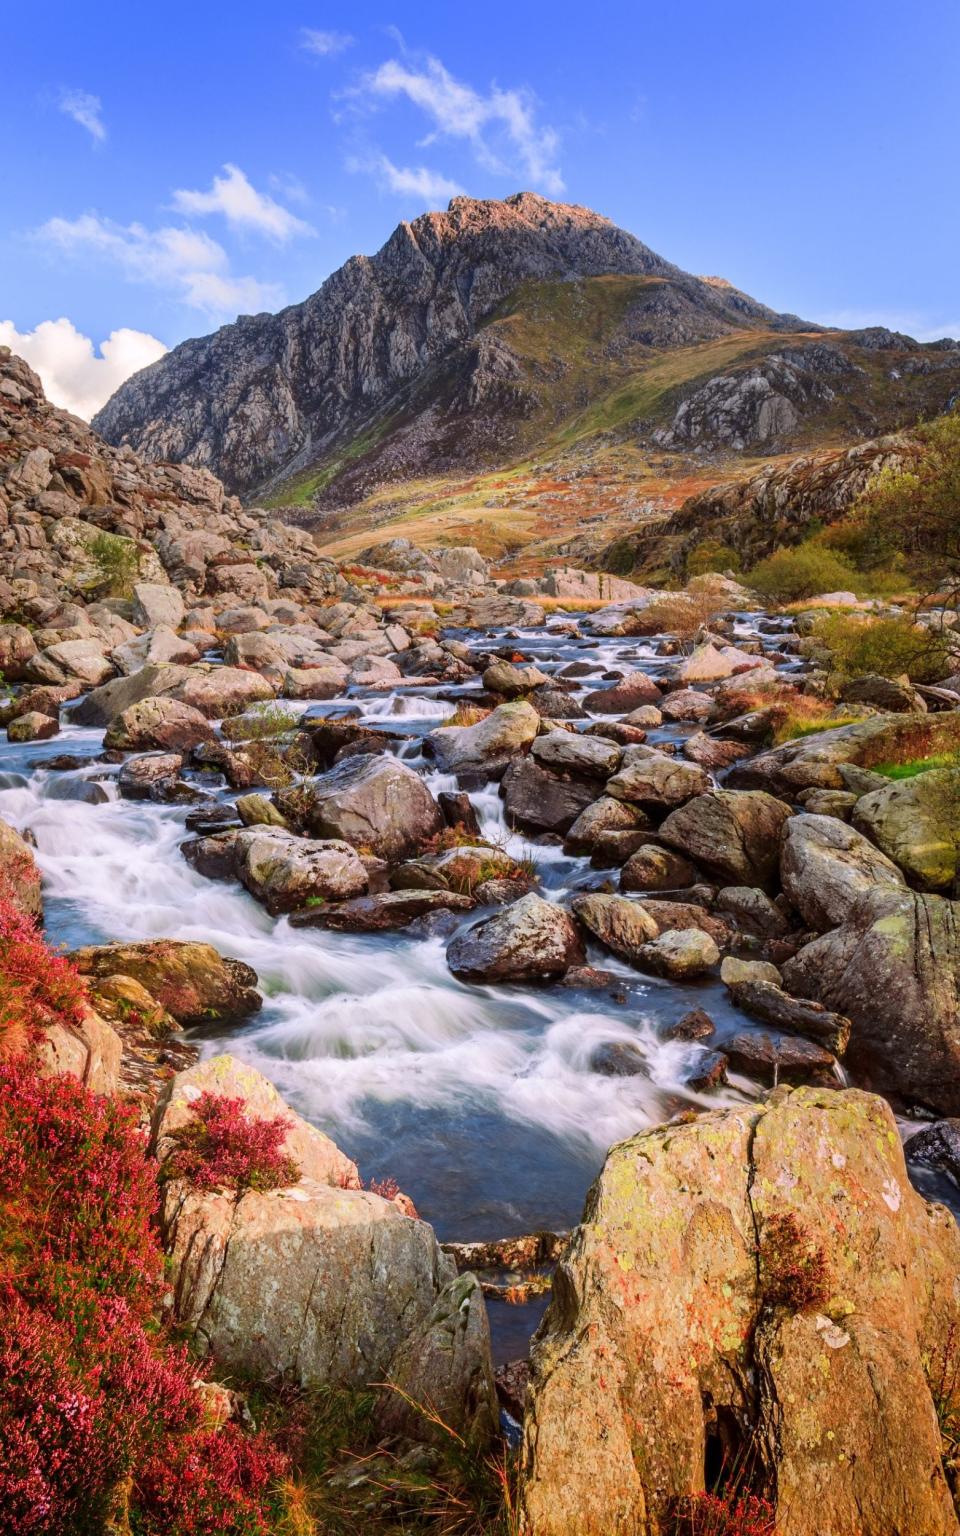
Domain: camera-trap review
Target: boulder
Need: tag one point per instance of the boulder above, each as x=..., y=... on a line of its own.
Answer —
x=761, y=1277
x=165, y=724
x=460, y=869
x=679, y=954
x=734, y=835
x=569, y=752
x=484, y=750
x=530, y=940
x=19, y=875
x=155, y=648
x=542, y=801
x=710, y=663
x=620, y=925
x=826, y=865
x=893, y=969
x=937, y=1146
x=652, y=778
x=193, y=982
x=687, y=914
x=627, y=694
x=599, y=818
x=151, y=776
x=687, y=704
x=711, y=753
x=154, y=603
x=734, y=971
x=33, y=726
x=104, y=704
x=220, y=691
x=652, y=868
x=752, y=910
x=818, y=761
x=17, y=649
x=377, y=804
x=764, y=999
x=81, y=661
x=92, y=1052
x=511, y=681
x=883, y=693
x=916, y=822
x=286, y=872
x=775, y=1059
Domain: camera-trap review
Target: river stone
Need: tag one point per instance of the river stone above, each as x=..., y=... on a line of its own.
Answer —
x=33, y=726
x=444, y=1363
x=893, y=969
x=828, y=802
x=484, y=750
x=17, y=648
x=652, y=868
x=567, y=751
x=679, y=954
x=154, y=648
x=734, y=970
x=82, y=661
x=659, y=1322
x=459, y=869
x=916, y=822
x=19, y=875
x=376, y=803
x=324, y=682
x=151, y=776
x=764, y=999
x=600, y=817
x=777, y=1058
x=155, y=604
x=257, y=810
x=687, y=704
x=883, y=693
x=734, y=835
x=652, y=778
x=620, y=698
x=622, y=926
x=539, y=800
x=618, y=1058
x=531, y=940
x=191, y=981
x=688, y=914
x=211, y=855
x=285, y=871
x=505, y=678
x=383, y=912
x=818, y=761
x=220, y=691
x=161, y=723
x=711, y=753
x=752, y=910
x=825, y=866
x=937, y=1146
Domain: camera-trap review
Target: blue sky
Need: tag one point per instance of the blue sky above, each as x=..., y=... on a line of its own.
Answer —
x=167, y=167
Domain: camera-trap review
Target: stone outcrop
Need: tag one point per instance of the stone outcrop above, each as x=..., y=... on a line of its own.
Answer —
x=760, y=1288
x=826, y=866
x=193, y=982
x=916, y=822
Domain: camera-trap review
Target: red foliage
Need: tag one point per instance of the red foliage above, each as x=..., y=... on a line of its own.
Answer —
x=209, y=1483
x=387, y=1189
x=224, y=1145
x=730, y=1514
x=37, y=987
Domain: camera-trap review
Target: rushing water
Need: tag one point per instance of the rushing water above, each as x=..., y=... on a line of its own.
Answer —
x=481, y=1101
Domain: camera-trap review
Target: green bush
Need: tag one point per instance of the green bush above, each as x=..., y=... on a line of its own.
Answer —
x=888, y=647
x=790, y=575
x=117, y=561
x=712, y=555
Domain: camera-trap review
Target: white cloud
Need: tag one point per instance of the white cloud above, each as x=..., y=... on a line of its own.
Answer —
x=502, y=122
x=910, y=322
x=242, y=206
x=71, y=371
x=184, y=261
x=85, y=110
x=418, y=181
x=324, y=44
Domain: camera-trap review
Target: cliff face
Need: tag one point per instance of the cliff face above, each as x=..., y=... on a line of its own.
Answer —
x=266, y=397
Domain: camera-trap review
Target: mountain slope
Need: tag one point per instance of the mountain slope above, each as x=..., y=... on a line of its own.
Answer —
x=403, y=337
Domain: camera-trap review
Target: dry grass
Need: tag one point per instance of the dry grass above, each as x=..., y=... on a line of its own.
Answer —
x=465, y=714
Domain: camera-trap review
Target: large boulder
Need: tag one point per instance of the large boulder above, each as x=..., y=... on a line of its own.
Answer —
x=19, y=875
x=893, y=969
x=620, y=925
x=759, y=1288
x=484, y=750
x=826, y=866
x=655, y=779
x=510, y=681
x=376, y=803
x=599, y=819
x=193, y=982
x=165, y=724
x=816, y=761
x=569, y=752
x=286, y=872
x=917, y=823
x=81, y=661
x=530, y=940
x=155, y=603
x=539, y=800
x=734, y=835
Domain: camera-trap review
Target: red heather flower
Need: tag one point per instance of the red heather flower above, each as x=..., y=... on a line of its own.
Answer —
x=225, y=1146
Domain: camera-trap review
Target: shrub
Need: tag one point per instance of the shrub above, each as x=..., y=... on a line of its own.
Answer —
x=224, y=1145
x=710, y=556
x=37, y=988
x=208, y=1483
x=789, y=575
x=117, y=561
x=261, y=724
x=793, y=1268
x=913, y=511
x=723, y=1514
x=683, y=613
x=887, y=646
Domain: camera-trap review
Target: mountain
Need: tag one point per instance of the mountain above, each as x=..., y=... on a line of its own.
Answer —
x=505, y=372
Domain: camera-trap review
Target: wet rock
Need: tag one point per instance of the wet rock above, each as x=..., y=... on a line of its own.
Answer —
x=19, y=873
x=486, y=749
x=631, y=691
x=539, y=800
x=191, y=981
x=164, y=724
x=618, y=1058
x=511, y=681
x=734, y=970
x=382, y=913
x=765, y=1000
x=695, y=1025
x=916, y=822
x=620, y=925
x=688, y=914
x=711, y=753
x=286, y=872
x=211, y=855
x=601, y=816
x=457, y=811
x=828, y=802
x=47, y=701
x=687, y=704
x=652, y=778
x=32, y=726
x=377, y=804
x=705, y=1071
x=554, y=703
x=150, y=776
x=568, y=752
x=444, y=1363
x=893, y=969
x=826, y=866
x=652, y=868
x=531, y=940
x=777, y=1059
x=732, y=834
x=937, y=1146
x=752, y=910
x=460, y=869
x=679, y=954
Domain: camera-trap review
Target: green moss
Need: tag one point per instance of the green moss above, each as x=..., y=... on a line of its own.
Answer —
x=915, y=766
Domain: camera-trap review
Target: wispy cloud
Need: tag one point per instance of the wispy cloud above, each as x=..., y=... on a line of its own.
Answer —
x=243, y=207
x=417, y=181
x=71, y=371
x=183, y=261
x=501, y=125
x=85, y=110
x=324, y=44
